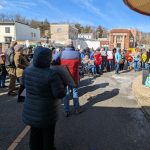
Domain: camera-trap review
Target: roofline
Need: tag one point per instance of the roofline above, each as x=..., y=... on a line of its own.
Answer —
x=7, y=23
x=60, y=24
x=85, y=33
x=13, y=23
x=122, y=30
x=64, y=24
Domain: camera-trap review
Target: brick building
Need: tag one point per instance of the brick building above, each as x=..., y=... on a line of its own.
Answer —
x=104, y=42
x=121, y=38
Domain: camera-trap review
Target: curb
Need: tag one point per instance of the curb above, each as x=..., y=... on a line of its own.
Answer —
x=142, y=95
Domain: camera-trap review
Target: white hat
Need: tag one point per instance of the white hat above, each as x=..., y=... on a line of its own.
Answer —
x=69, y=42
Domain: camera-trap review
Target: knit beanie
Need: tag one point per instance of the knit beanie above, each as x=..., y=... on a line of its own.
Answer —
x=18, y=48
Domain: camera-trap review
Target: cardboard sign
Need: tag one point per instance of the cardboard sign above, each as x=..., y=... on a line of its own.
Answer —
x=65, y=74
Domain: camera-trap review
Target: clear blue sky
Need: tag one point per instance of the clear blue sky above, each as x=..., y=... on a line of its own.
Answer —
x=108, y=13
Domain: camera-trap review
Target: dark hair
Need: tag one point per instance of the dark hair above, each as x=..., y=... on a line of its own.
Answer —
x=30, y=47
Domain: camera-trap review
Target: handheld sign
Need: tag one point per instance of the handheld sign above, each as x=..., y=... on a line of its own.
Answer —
x=65, y=74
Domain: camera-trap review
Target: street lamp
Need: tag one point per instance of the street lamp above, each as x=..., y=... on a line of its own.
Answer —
x=141, y=6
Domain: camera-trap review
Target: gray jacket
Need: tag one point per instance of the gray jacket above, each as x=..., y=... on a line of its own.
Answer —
x=9, y=57
x=43, y=89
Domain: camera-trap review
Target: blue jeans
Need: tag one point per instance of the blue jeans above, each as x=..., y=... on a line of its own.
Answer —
x=99, y=69
x=2, y=80
x=129, y=64
x=136, y=66
x=117, y=68
x=148, y=66
x=74, y=92
x=110, y=63
x=143, y=65
x=92, y=68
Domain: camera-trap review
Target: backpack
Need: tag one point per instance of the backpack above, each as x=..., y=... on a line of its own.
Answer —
x=9, y=56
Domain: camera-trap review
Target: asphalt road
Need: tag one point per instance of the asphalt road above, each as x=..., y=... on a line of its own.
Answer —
x=112, y=119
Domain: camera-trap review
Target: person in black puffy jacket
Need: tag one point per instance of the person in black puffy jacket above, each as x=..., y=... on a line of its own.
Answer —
x=44, y=88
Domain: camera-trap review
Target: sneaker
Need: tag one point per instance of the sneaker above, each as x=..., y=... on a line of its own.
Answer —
x=12, y=93
x=97, y=75
x=67, y=114
x=16, y=88
x=90, y=74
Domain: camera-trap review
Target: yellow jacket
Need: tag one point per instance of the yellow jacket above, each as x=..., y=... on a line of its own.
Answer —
x=144, y=57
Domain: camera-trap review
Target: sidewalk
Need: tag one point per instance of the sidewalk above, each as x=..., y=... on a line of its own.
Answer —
x=142, y=94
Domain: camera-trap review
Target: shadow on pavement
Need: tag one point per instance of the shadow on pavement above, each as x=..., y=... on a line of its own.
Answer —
x=97, y=128
x=86, y=89
x=104, y=128
x=86, y=82
x=101, y=128
x=126, y=71
x=101, y=97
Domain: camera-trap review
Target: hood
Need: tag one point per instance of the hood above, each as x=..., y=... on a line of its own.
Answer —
x=42, y=57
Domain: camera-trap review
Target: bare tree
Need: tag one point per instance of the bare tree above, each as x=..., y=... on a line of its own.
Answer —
x=2, y=17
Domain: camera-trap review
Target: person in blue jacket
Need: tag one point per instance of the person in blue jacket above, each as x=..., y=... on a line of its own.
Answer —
x=118, y=58
x=44, y=88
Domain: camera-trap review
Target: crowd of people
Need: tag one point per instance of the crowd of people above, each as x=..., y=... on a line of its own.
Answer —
x=104, y=60
x=85, y=62
x=44, y=86
x=96, y=62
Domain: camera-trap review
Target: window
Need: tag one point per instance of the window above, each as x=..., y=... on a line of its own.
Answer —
x=7, y=29
x=8, y=39
x=119, y=38
x=32, y=34
x=118, y=45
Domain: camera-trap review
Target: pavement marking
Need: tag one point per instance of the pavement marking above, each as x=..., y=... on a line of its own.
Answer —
x=19, y=138
x=4, y=93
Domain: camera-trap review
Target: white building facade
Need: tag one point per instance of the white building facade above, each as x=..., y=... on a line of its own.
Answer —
x=83, y=43
x=87, y=36
x=17, y=32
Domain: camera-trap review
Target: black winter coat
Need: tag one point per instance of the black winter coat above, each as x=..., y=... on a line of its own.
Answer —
x=43, y=89
x=3, y=70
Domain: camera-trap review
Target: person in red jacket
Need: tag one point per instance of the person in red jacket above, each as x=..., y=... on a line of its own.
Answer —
x=129, y=58
x=98, y=61
x=71, y=59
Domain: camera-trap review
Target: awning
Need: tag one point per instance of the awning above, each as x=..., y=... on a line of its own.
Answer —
x=141, y=6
